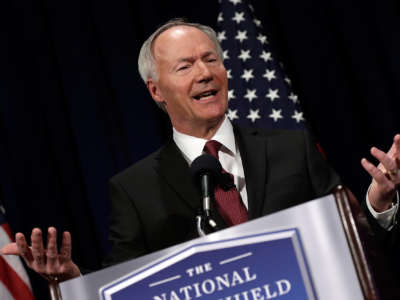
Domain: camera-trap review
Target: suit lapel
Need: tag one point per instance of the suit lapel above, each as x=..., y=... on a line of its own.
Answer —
x=173, y=168
x=252, y=148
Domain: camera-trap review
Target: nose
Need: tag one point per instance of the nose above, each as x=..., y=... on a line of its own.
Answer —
x=204, y=74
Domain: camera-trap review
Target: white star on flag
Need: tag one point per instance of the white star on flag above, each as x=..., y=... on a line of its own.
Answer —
x=254, y=115
x=266, y=56
x=276, y=114
x=231, y=94
x=220, y=17
x=293, y=97
x=272, y=94
x=269, y=74
x=262, y=38
x=232, y=114
x=247, y=75
x=251, y=94
x=258, y=94
x=225, y=55
x=221, y=36
x=241, y=36
x=235, y=1
x=298, y=116
x=244, y=55
x=239, y=17
x=257, y=22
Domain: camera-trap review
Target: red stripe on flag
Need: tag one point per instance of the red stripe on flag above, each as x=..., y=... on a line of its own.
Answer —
x=16, y=286
x=7, y=229
x=319, y=147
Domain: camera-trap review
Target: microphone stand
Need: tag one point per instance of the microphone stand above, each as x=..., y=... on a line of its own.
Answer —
x=205, y=170
x=54, y=289
x=204, y=222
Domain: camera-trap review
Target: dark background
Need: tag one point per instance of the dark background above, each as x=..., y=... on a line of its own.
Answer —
x=74, y=112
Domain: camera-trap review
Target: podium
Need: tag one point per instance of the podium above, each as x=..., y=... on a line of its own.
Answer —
x=310, y=251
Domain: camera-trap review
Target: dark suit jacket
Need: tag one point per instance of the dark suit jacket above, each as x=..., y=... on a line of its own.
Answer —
x=154, y=202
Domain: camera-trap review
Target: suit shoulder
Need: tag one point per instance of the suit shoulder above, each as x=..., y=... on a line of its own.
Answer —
x=140, y=169
x=282, y=133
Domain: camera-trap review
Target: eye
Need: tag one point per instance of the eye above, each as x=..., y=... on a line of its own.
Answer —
x=184, y=67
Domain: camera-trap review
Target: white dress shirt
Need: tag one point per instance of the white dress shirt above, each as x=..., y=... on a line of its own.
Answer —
x=386, y=218
x=229, y=155
x=230, y=159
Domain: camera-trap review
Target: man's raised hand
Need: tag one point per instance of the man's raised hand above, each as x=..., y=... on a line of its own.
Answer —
x=385, y=177
x=48, y=262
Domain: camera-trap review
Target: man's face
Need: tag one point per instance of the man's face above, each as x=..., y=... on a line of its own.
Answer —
x=192, y=79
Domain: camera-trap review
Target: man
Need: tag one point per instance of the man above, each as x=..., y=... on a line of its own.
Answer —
x=154, y=202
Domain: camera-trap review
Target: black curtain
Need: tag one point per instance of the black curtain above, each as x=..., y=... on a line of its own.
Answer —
x=74, y=111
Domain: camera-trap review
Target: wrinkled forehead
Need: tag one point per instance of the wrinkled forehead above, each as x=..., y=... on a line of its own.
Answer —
x=180, y=41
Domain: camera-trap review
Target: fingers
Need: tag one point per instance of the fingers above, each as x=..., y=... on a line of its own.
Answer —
x=48, y=262
x=66, y=246
x=387, y=162
x=396, y=140
x=37, y=248
x=51, y=251
x=23, y=248
x=382, y=190
x=395, y=149
x=375, y=173
x=396, y=146
x=10, y=249
x=385, y=177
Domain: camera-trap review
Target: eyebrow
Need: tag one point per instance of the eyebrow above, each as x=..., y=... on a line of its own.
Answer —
x=191, y=58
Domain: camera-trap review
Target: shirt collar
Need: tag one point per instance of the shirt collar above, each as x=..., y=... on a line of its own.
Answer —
x=191, y=147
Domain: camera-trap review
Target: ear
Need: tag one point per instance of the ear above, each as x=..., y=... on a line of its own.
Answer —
x=155, y=92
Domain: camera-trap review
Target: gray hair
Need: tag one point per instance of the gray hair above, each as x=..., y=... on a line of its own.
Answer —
x=147, y=62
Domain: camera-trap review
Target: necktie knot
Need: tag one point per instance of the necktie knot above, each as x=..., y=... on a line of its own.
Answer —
x=212, y=147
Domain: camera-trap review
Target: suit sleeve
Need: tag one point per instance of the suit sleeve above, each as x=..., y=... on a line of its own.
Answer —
x=323, y=178
x=125, y=230
x=387, y=240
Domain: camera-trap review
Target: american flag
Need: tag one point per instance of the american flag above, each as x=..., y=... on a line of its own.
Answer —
x=259, y=92
x=14, y=282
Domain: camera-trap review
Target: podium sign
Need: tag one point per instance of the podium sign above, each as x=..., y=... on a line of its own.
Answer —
x=298, y=253
x=261, y=266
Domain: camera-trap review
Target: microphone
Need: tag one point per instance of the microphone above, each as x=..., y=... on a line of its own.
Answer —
x=206, y=170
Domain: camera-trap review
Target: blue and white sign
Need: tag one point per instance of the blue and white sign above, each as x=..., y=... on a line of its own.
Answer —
x=263, y=266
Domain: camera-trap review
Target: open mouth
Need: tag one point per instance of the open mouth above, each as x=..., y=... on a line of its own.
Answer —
x=206, y=95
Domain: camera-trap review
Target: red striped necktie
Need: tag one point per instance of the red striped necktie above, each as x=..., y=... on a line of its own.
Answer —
x=227, y=197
